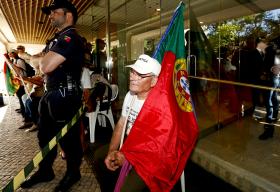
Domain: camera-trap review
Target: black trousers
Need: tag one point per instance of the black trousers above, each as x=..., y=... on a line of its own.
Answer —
x=56, y=109
x=107, y=179
x=19, y=94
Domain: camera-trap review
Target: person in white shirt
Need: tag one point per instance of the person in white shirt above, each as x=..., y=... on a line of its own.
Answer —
x=22, y=54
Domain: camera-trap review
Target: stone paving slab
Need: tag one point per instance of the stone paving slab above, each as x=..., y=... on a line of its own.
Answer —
x=18, y=147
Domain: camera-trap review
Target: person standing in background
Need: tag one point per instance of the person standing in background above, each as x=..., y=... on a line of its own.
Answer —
x=22, y=54
x=258, y=76
x=272, y=71
x=100, y=56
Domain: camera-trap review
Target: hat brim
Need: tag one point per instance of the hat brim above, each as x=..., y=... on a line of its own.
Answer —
x=137, y=69
x=47, y=9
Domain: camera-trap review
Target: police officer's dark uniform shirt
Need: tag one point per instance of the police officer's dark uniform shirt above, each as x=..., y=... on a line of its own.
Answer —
x=68, y=44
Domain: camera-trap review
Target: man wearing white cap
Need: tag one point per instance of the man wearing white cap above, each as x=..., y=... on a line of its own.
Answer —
x=143, y=77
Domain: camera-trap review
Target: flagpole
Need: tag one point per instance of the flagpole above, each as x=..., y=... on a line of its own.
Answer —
x=175, y=15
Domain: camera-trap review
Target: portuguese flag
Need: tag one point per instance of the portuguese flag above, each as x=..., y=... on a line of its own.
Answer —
x=165, y=131
x=12, y=84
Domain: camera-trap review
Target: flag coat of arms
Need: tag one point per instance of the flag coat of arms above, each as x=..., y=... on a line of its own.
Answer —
x=165, y=131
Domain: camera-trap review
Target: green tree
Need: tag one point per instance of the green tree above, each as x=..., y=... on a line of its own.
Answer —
x=234, y=31
x=225, y=35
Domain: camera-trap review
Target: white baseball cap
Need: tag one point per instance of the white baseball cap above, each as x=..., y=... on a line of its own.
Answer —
x=146, y=64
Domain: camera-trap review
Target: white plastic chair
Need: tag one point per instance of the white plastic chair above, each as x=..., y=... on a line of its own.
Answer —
x=101, y=113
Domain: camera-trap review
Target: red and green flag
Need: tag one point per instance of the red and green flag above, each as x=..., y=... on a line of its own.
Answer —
x=165, y=131
x=12, y=84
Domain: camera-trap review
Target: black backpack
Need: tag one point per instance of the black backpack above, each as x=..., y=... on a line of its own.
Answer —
x=99, y=92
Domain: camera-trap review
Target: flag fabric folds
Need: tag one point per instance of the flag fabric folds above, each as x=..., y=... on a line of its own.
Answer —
x=201, y=48
x=208, y=64
x=165, y=131
x=12, y=84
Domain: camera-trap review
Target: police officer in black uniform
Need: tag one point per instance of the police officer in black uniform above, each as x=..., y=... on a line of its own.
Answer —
x=61, y=64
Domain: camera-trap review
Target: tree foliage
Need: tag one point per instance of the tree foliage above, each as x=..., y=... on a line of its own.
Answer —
x=232, y=32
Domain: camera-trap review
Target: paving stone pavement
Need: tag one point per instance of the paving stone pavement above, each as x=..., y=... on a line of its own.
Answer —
x=18, y=147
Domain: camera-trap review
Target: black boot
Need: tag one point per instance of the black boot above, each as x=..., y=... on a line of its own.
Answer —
x=67, y=182
x=38, y=177
x=268, y=132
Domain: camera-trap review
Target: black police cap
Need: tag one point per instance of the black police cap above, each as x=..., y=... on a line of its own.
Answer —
x=56, y=4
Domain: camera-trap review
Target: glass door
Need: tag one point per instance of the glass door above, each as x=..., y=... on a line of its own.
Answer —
x=202, y=65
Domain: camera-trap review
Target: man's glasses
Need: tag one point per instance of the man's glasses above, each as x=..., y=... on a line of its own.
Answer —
x=141, y=76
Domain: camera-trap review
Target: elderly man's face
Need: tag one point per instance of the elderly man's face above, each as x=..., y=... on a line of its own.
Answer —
x=140, y=83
